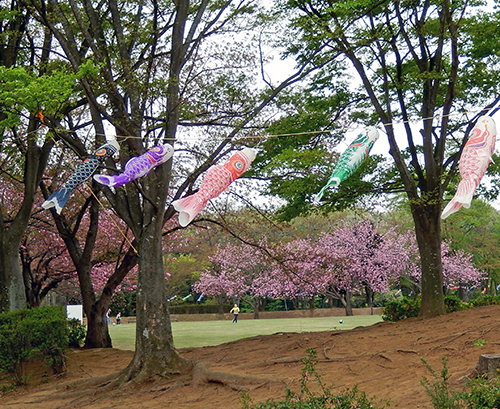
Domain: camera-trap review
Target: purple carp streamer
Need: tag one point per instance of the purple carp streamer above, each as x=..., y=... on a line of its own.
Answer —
x=476, y=156
x=138, y=166
x=82, y=172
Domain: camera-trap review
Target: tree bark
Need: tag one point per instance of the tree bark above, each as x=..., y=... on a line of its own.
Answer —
x=155, y=352
x=428, y=231
x=97, y=328
x=12, y=293
x=345, y=299
x=487, y=366
x=369, y=296
x=154, y=346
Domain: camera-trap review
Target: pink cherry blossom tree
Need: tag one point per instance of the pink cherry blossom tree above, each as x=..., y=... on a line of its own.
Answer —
x=297, y=271
x=351, y=259
x=236, y=272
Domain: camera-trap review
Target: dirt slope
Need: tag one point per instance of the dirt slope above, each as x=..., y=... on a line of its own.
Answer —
x=383, y=360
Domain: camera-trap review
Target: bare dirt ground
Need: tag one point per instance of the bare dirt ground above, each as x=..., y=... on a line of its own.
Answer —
x=383, y=360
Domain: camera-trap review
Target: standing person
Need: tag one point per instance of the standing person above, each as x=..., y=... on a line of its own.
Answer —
x=108, y=319
x=235, y=310
x=118, y=318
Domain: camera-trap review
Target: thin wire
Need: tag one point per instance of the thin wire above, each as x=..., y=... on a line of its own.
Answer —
x=263, y=137
x=408, y=121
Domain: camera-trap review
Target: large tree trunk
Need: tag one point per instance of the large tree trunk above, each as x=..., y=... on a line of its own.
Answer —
x=97, y=328
x=255, y=304
x=154, y=347
x=12, y=293
x=428, y=231
x=345, y=299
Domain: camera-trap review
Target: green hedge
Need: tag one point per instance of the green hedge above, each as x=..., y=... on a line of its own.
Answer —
x=408, y=307
x=399, y=310
x=198, y=309
x=485, y=300
x=26, y=334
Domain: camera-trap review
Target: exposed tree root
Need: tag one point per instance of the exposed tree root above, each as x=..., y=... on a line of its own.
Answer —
x=407, y=351
x=385, y=356
x=75, y=390
x=275, y=361
x=83, y=392
x=238, y=383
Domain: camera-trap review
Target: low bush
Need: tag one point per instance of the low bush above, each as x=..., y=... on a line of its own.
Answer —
x=485, y=300
x=407, y=308
x=26, y=334
x=77, y=333
x=399, y=310
x=49, y=330
x=14, y=347
x=478, y=393
x=453, y=303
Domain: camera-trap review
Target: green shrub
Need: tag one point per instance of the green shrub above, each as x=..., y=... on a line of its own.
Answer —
x=198, y=308
x=14, y=346
x=306, y=399
x=77, y=333
x=438, y=388
x=26, y=334
x=482, y=394
x=478, y=394
x=485, y=300
x=49, y=334
x=381, y=299
x=407, y=308
x=453, y=303
x=399, y=310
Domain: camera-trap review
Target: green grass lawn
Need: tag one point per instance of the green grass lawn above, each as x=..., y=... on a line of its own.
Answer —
x=207, y=333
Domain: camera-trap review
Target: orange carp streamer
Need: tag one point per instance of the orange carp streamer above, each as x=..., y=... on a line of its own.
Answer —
x=217, y=179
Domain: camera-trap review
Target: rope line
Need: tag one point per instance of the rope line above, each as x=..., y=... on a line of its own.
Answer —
x=123, y=138
x=409, y=121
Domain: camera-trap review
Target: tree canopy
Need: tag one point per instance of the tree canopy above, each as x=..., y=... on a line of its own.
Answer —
x=177, y=72
x=422, y=72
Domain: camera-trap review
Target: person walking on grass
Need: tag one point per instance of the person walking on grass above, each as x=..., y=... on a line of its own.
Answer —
x=235, y=310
